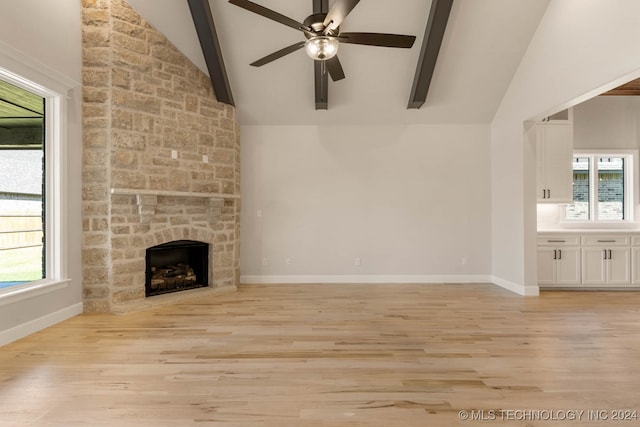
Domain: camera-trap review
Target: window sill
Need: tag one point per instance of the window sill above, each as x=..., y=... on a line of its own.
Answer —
x=626, y=225
x=31, y=290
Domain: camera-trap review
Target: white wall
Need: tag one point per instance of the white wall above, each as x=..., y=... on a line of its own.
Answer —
x=48, y=34
x=607, y=122
x=410, y=201
x=581, y=48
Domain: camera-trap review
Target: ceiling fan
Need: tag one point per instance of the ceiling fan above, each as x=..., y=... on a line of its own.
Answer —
x=323, y=36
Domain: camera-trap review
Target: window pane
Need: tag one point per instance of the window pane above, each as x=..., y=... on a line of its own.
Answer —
x=579, y=210
x=611, y=188
x=21, y=186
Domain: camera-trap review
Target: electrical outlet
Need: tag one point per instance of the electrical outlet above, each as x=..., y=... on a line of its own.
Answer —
x=205, y=159
x=464, y=260
x=264, y=262
x=287, y=261
x=357, y=262
x=259, y=213
x=174, y=154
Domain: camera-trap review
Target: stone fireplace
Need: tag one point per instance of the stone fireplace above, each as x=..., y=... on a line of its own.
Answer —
x=161, y=160
x=144, y=220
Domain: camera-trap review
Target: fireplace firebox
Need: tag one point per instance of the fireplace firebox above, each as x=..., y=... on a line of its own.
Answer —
x=176, y=266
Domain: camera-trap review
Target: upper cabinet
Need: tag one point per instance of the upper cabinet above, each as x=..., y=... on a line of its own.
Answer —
x=564, y=116
x=554, y=153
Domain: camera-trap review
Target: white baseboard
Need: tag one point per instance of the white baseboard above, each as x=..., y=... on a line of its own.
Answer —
x=39, y=324
x=516, y=287
x=446, y=279
x=275, y=279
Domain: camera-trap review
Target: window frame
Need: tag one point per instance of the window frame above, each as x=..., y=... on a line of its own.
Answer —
x=630, y=187
x=30, y=75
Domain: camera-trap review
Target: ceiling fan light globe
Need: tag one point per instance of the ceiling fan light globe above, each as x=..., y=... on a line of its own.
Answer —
x=321, y=48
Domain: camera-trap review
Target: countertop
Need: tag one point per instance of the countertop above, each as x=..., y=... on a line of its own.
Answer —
x=590, y=231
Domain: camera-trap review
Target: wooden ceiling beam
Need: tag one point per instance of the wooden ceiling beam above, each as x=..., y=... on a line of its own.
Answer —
x=631, y=88
x=206, y=29
x=433, y=36
x=321, y=76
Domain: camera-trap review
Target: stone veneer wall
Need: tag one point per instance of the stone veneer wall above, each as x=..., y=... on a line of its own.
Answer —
x=142, y=99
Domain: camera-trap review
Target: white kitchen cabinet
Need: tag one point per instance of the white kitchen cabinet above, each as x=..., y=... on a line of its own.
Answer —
x=589, y=260
x=546, y=266
x=564, y=116
x=635, y=260
x=558, y=260
x=606, y=260
x=635, y=266
x=554, y=154
x=594, y=269
x=619, y=267
x=610, y=267
x=558, y=267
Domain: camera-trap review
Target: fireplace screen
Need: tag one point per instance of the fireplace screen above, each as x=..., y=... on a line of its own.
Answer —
x=176, y=266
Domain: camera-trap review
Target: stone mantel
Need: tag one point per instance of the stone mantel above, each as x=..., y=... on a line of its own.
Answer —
x=142, y=192
x=147, y=200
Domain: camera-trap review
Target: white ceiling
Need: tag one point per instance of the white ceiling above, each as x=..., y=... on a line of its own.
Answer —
x=483, y=45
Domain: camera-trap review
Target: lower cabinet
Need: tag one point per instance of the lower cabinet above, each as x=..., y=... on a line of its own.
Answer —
x=588, y=260
x=558, y=266
x=559, y=260
x=604, y=266
x=635, y=265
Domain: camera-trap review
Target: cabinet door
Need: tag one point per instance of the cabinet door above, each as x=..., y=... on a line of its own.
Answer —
x=541, y=186
x=568, y=266
x=593, y=266
x=635, y=266
x=558, y=158
x=546, y=266
x=619, y=267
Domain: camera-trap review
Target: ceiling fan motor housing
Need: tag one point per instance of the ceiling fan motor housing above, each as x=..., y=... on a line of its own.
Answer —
x=316, y=23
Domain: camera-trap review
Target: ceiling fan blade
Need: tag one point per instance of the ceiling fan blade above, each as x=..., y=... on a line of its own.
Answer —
x=279, y=54
x=337, y=13
x=335, y=68
x=273, y=15
x=378, y=39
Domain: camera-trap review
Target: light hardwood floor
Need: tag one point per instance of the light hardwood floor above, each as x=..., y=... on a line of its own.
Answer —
x=333, y=355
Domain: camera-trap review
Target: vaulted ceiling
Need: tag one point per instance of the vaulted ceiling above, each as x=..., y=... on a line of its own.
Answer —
x=482, y=47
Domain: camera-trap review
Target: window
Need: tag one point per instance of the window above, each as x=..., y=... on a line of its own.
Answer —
x=22, y=244
x=602, y=187
x=32, y=181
